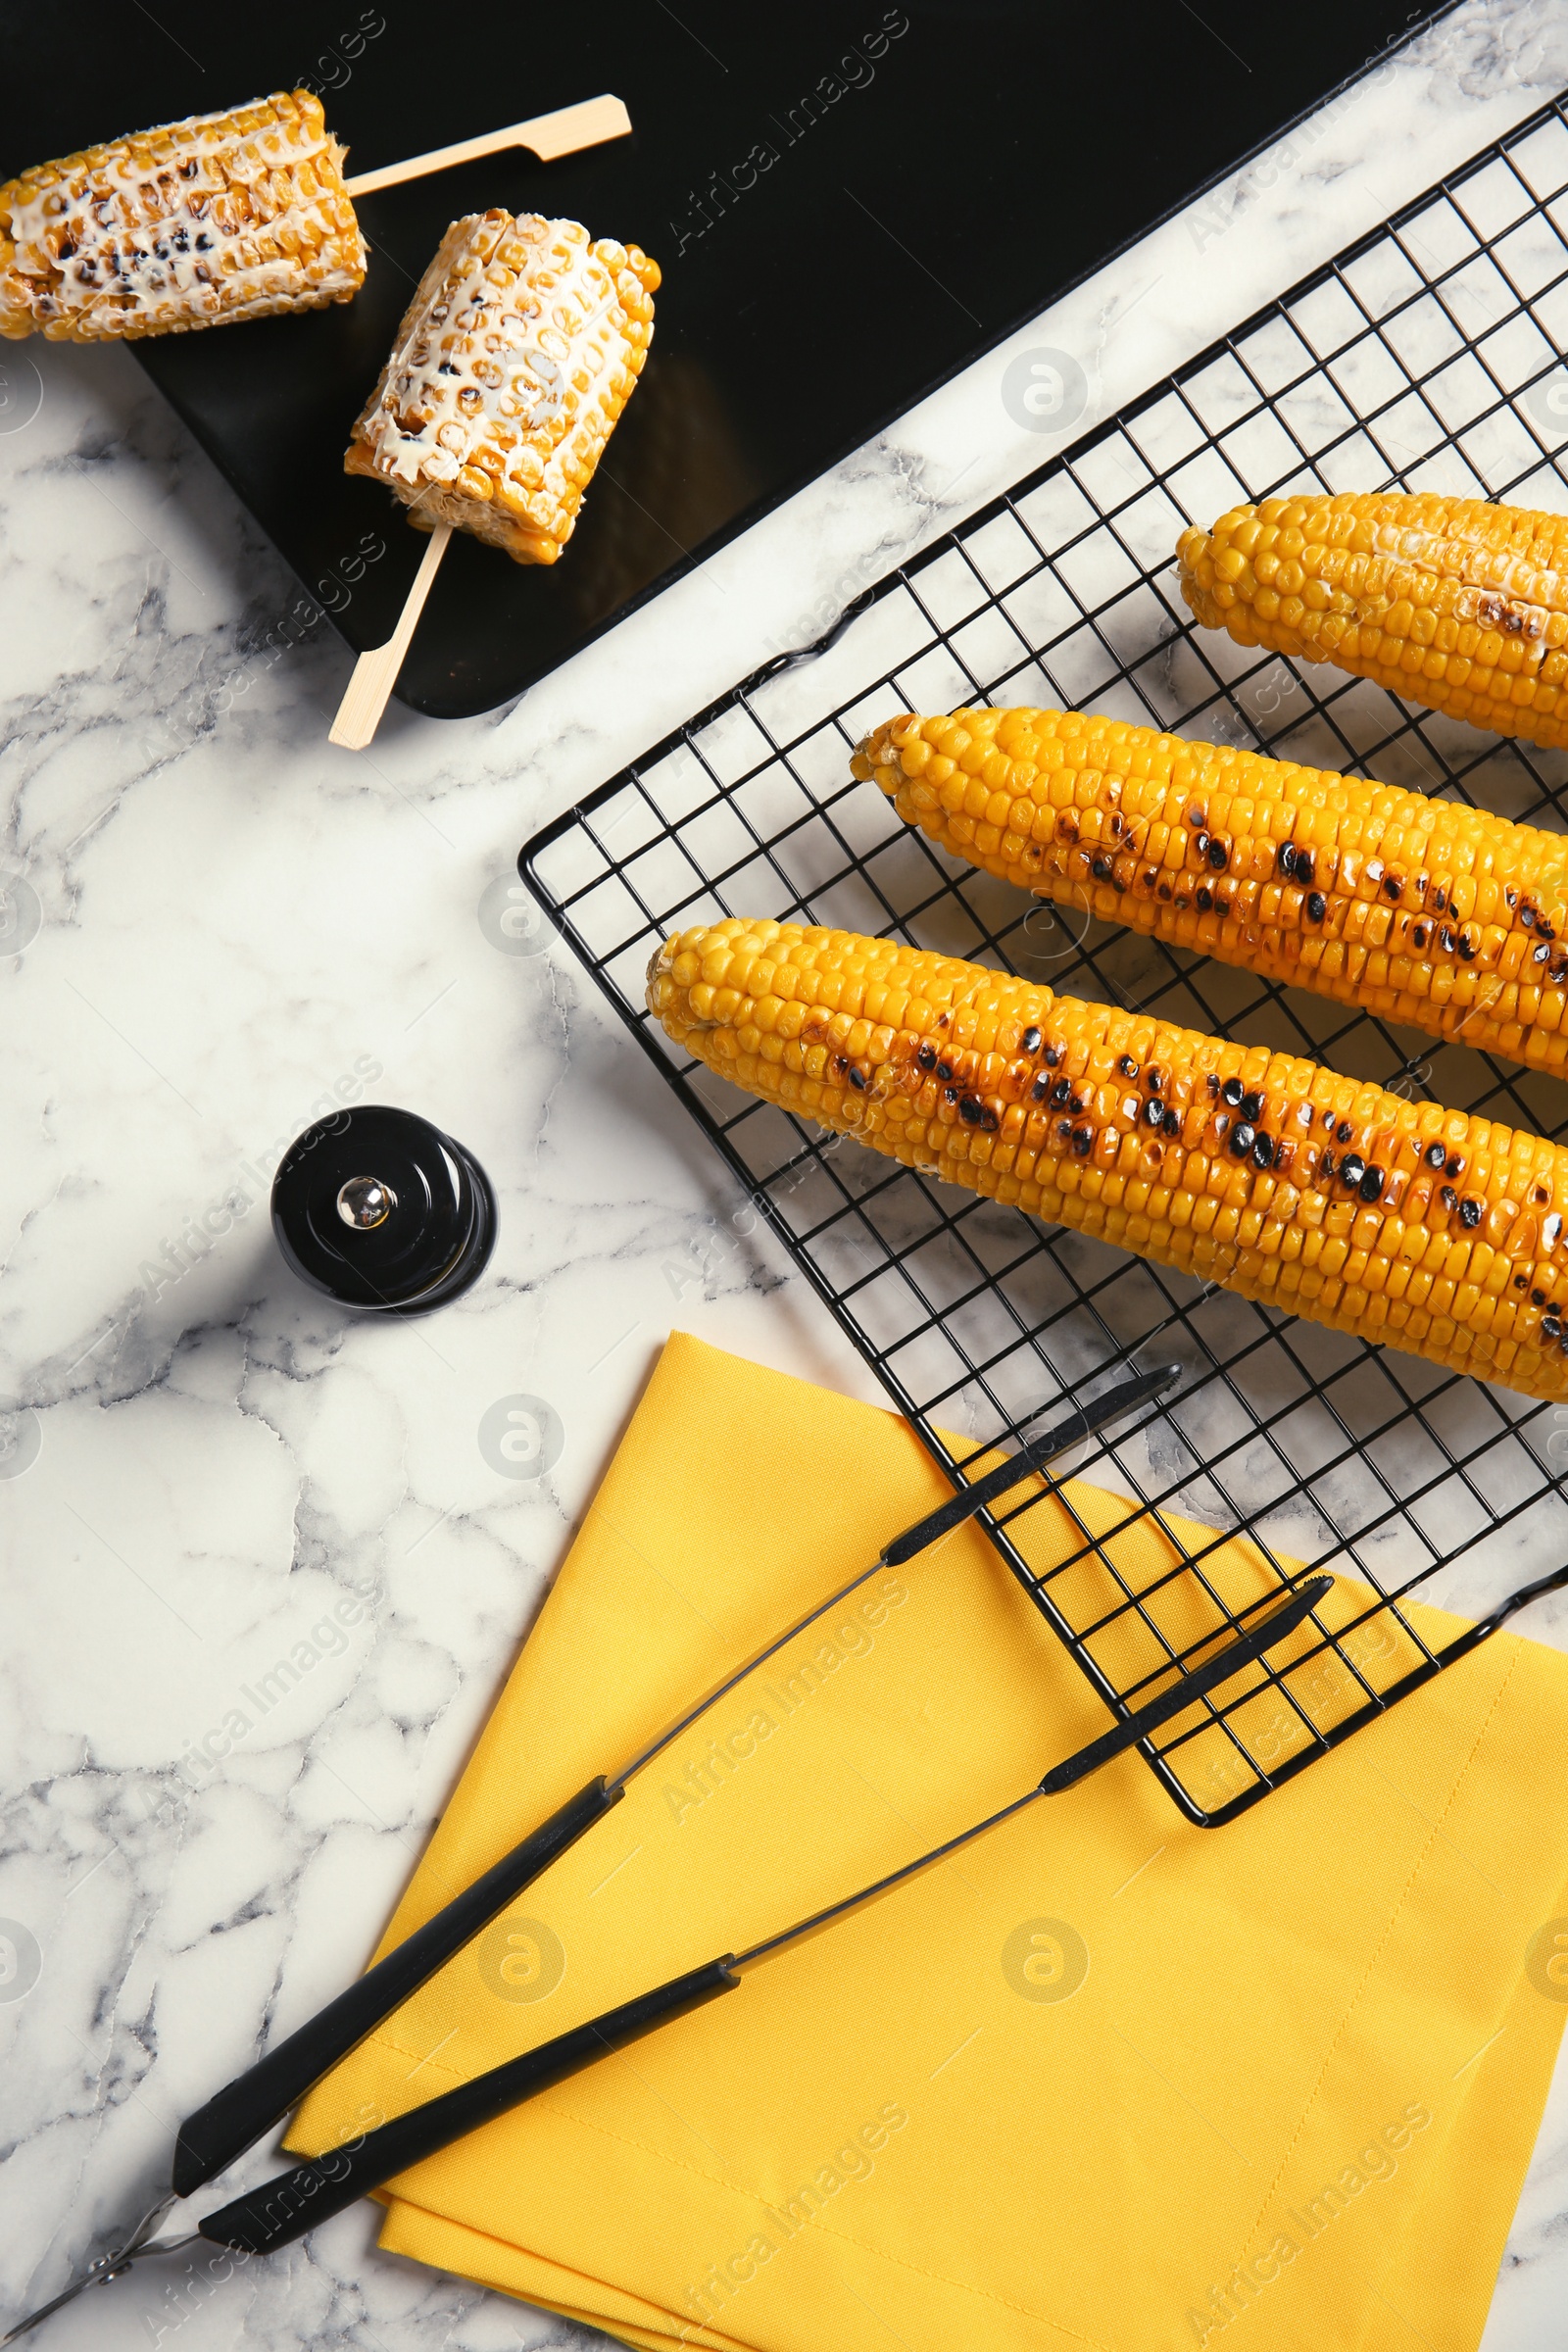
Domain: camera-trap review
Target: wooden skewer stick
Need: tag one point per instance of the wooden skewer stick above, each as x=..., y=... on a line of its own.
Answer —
x=548, y=135
x=375, y=672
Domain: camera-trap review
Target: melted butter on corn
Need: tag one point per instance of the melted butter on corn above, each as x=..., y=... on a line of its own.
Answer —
x=1451, y=602
x=508, y=374
x=1322, y=1196
x=220, y=216
x=1426, y=911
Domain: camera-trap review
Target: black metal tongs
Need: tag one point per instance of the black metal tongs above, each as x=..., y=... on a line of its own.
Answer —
x=285, y=2207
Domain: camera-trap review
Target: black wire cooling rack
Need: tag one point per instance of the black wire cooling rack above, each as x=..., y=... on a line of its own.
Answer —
x=1425, y=356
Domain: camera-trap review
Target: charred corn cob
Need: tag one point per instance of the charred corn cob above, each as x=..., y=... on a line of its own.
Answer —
x=1425, y=912
x=1318, y=1194
x=225, y=215
x=511, y=368
x=1448, y=601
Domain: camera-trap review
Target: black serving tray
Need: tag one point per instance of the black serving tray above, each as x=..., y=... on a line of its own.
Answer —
x=941, y=169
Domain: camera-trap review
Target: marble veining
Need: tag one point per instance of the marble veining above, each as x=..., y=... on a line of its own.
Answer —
x=262, y=1580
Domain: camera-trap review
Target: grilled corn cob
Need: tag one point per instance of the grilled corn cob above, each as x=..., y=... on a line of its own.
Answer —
x=1425, y=912
x=225, y=215
x=1318, y=1194
x=1448, y=601
x=511, y=368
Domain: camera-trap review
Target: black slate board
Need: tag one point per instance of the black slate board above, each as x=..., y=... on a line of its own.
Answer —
x=941, y=169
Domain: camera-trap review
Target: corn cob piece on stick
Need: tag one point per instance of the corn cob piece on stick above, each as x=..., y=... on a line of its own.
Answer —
x=1425, y=912
x=1448, y=601
x=1318, y=1194
x=220, y=216
x=508, y=374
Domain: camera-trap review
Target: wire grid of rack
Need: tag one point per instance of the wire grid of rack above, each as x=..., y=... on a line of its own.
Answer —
x=1426, y=357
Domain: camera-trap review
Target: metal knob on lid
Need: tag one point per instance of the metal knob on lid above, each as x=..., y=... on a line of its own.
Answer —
x=364, y=1202
x=382, y=1211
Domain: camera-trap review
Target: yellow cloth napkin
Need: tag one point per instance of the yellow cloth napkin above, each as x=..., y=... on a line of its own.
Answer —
x=1103, y=2081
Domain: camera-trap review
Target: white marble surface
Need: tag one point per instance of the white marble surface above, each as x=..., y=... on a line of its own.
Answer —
x=235, y=919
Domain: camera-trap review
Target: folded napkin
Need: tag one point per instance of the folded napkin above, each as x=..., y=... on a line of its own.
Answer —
x=1101, y=2081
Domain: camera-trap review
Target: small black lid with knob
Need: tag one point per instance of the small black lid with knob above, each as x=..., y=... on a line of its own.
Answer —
x=382, y=1211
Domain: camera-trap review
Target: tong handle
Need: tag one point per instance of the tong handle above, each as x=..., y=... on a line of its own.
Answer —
x=1082, y=1422
x=239, y=2114
x=284, y=2209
